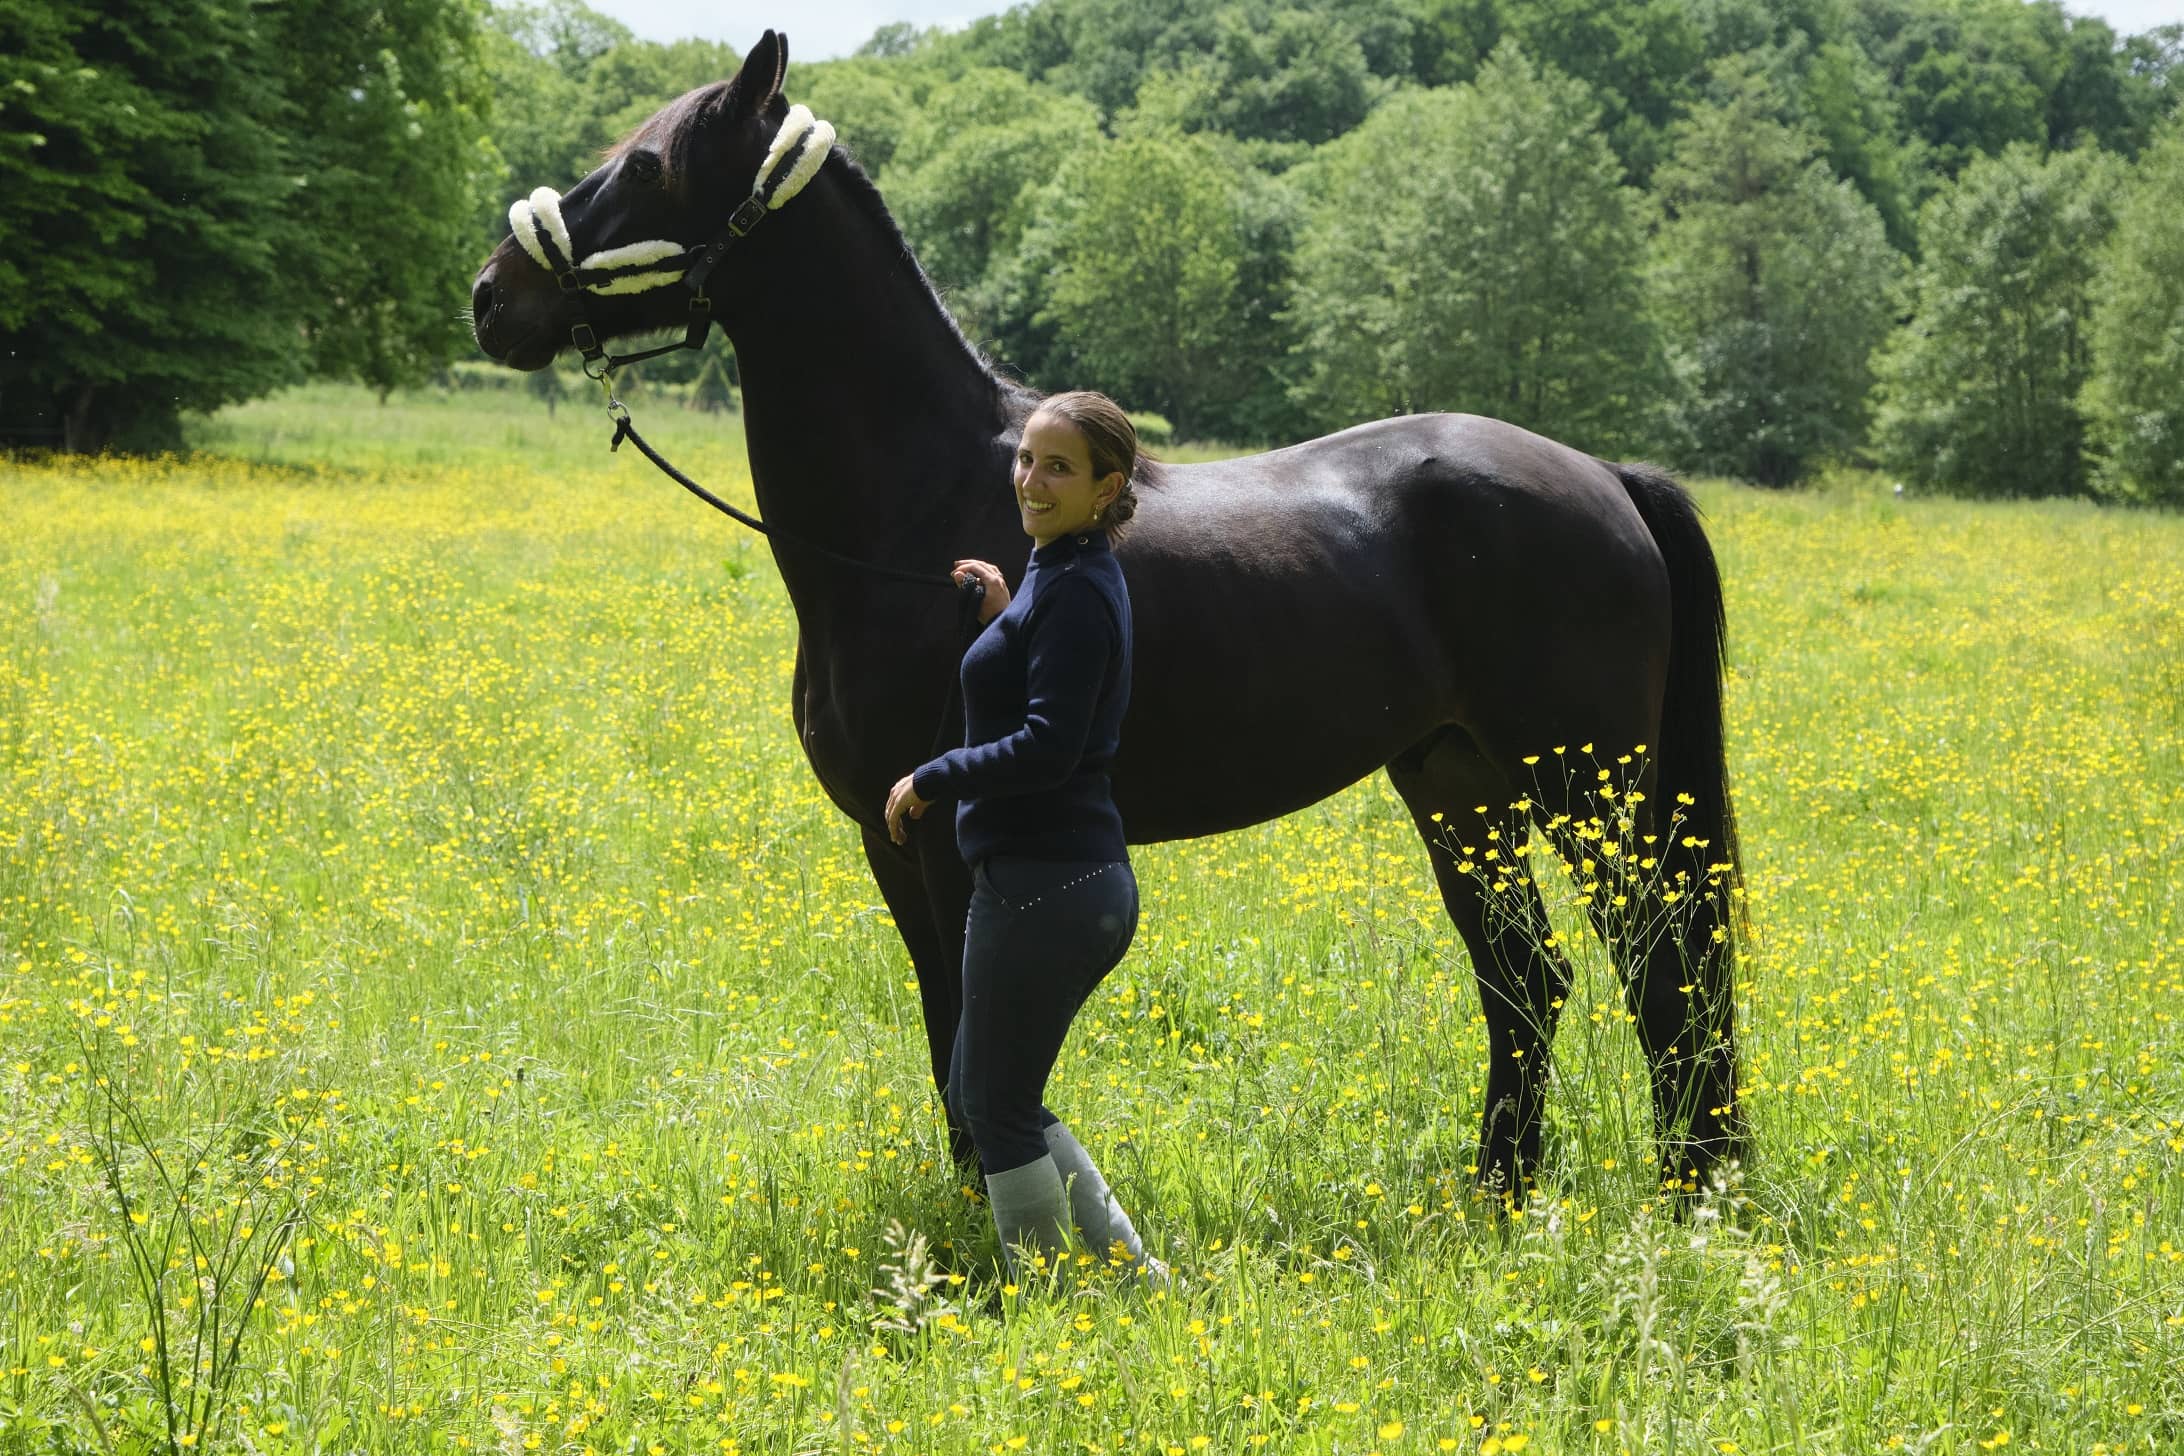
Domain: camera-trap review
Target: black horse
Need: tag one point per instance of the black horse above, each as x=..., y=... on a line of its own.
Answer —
x=1447, y=597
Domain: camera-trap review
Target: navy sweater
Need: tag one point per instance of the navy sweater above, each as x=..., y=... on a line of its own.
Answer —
x=1044, y=689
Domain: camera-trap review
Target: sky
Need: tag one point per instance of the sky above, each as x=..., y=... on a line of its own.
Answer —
x=822, y=29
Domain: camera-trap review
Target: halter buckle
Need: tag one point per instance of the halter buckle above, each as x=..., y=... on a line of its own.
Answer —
x=747, y=215
x=586, y=341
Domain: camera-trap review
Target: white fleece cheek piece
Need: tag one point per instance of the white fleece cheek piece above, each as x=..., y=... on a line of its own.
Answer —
x=544, y=204
x=807, y=165
x=795, y=127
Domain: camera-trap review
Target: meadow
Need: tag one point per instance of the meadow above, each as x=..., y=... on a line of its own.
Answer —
x=438, y=1012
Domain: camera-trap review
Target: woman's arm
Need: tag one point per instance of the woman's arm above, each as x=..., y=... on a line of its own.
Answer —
x=1071, y=641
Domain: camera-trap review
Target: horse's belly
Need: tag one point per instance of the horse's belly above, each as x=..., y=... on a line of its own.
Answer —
x=1252, y=736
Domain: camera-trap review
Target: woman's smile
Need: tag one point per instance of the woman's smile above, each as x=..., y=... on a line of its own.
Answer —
x=1056, y=492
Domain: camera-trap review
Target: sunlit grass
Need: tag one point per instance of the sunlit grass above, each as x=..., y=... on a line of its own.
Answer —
x=411, y=795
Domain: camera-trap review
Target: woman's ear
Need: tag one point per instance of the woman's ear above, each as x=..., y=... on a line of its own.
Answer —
x=1111, y=485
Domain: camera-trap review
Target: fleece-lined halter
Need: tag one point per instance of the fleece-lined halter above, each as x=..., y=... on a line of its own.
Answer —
x=799, y=149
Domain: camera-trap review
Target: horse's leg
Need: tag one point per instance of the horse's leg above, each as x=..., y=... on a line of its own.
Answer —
x=928, y=894
x=1676, y=982
x=1677, y=976
x=1522, y=980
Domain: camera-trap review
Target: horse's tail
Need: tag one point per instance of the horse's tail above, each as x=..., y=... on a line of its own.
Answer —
x=1691, y=760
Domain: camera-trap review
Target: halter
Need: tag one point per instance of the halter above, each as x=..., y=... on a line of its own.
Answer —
x=798, y=151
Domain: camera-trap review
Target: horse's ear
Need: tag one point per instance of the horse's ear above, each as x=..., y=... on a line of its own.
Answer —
x=759, y=82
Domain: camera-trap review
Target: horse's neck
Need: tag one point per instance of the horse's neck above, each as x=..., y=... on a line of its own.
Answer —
x=871, y=423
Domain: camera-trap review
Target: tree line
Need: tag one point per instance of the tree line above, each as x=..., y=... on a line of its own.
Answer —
x=1751, y=237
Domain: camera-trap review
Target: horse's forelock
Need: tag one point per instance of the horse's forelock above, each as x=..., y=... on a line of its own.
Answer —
x=671, y=131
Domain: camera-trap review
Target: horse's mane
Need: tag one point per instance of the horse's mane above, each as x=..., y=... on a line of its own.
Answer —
x=669, y=133
x=864, y=194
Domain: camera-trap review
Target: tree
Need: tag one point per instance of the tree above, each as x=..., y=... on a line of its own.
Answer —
x=387, y=126
x=714, y=390
x=968, y=164
x=568, y=83
x=1640, y=57
x=200, y=202
x=2134, y=400
x=1158, y=258
x=567, y=34
x=1771, y=277
x=1291, y=76
x=1473, y=249
x=1972, y=76
x=1846, y=103
x=1979, y=391
x=1289, y=62
x=870, y=102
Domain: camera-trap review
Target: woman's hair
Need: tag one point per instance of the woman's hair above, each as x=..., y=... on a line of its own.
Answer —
x=1112, y=441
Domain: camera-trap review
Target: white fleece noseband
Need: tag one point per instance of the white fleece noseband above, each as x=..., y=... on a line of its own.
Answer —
x=799, y=150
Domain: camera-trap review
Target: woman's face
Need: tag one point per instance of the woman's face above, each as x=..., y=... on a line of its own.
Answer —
x=1055, y=488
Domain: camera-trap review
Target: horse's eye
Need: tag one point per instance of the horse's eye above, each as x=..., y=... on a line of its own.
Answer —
x=643, y=166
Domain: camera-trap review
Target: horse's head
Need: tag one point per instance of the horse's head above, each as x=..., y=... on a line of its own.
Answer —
x=631, y=248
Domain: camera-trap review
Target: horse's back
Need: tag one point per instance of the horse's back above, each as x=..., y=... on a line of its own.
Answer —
x=1371, y=588
x=1438, y=501
x=1460, y=460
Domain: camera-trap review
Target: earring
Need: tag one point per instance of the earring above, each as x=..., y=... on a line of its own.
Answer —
x=1095, y=513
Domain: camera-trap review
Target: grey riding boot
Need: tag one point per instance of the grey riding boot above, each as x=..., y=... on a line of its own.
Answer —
x=1101, y=1223
x=1030, y=1210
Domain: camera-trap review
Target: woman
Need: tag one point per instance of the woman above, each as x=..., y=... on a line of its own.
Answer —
x=1054, y=902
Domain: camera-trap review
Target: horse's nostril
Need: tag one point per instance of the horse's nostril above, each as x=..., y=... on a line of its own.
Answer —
x=481, y=300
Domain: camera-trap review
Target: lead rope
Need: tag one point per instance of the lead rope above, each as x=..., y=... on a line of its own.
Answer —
x=624, y=429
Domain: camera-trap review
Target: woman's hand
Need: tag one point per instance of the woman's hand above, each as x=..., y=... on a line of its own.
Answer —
x=902, y=799
x=987, y=575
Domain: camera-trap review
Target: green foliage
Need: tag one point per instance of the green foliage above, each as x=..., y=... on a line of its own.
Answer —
x=1973, y=76
x=2134, y=398
x=1279, y=71
x=1289, y=76
x=1151, y=429
x=1846, y=102
x=1771, y=276
x=213, y=197
x=387, y=127
x=143, y=221
x=871, y=103
x=1963, y=87
x=1157, y=260
x=1979, y=391
x=969, y=163
x=1640, y=57
x=568, y=83
x=714, y=390
x=1473, y=249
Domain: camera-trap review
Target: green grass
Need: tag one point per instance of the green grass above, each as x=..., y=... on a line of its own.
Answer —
x=400, y=813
